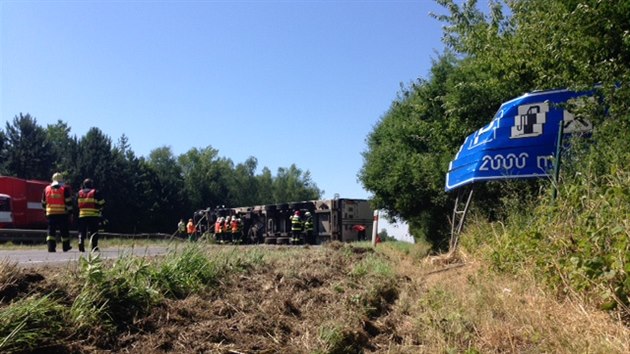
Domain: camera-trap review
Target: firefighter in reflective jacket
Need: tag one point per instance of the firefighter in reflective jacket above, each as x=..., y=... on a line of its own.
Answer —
x=91, y=204
x=181, y=228
x=191, y=230
x=218, y=229
x=235, y=227
x=57, y=201
x=227, y=229
x=296, y=228
x=308, y=227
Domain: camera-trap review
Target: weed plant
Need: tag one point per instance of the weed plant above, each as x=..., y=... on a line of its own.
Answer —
x=338, y=339
x=30, y=323
x=379, y=283
x=416, y=251
x=185, y=272
x=112, y=296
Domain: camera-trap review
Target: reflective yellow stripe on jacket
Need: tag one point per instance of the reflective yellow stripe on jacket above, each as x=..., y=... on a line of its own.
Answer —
x=88, y=205
x=308, y=224
x=55, y=201
x=296, y=223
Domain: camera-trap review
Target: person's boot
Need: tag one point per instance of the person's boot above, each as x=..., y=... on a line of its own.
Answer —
x=81, y=247
x=66, y=246
x=52, y=246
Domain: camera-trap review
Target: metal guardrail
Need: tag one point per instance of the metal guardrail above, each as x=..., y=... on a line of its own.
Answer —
x=39, y=236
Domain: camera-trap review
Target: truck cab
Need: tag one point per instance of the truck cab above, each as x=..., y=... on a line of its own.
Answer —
x=6, y=217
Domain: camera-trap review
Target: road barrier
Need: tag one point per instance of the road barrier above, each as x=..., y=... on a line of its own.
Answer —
x=39, y=236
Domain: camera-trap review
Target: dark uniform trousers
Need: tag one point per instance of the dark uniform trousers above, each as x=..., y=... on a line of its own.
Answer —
x=88, y=227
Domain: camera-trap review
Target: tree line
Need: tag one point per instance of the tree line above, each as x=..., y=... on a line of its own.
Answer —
x=491, y=56
x=145, y=194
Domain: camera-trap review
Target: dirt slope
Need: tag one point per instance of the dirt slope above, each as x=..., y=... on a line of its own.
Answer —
x=347, y=299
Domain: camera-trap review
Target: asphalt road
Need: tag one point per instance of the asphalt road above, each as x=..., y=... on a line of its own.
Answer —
x=40, y=257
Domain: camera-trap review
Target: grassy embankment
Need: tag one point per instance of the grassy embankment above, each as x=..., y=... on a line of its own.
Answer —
x=334, y=299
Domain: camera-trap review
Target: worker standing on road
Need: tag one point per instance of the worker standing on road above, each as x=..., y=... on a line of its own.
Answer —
x=91, y=204
x=308, y=228
x=181, y=228
x=190, y=228
x=57, y=201
x=296, y=228
x=218, y=229
x=235, y=227
x=227, y=229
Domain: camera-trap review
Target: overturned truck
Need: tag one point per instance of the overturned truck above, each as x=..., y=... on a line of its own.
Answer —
x=337, y=219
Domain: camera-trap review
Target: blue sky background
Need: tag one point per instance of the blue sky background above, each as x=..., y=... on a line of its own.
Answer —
x=287, y=82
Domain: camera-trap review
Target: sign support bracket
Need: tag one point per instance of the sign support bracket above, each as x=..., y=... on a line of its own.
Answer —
x=459, y=215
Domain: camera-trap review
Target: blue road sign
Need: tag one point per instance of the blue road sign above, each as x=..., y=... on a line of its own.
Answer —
x=519, y=142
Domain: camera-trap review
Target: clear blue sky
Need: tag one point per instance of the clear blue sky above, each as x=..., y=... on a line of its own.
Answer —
x=287, y=82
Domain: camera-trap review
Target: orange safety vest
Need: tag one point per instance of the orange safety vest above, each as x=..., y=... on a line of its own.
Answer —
x=88, y=204
x=55, y=200
x=217, y=227
x=234, y=226
x=190, y=227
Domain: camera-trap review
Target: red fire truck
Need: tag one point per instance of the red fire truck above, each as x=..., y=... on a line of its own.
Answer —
x=20, y=203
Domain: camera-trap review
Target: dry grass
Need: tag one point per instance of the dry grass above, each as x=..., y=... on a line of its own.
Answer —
x=453, y=305
x=345, y=299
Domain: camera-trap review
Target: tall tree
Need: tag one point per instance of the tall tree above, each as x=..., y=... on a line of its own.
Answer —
x=264, y=181
x=3, y=153
x=580, y=45
x=245, y=184
x=29, y=153
x=293, y=184
x=408, y=152
x=95, y=159
x=203, y=188
x=542, y=45
x=220, y=177
x=132, y=201
x=170, y=203
x=63, y=148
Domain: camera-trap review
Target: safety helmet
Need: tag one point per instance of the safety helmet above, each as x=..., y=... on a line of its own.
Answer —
x=57, y=177
x=308, y=213
x=88, y=183
x=297, y=212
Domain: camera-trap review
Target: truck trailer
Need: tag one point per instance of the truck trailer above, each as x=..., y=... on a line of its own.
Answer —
x=339, y=219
